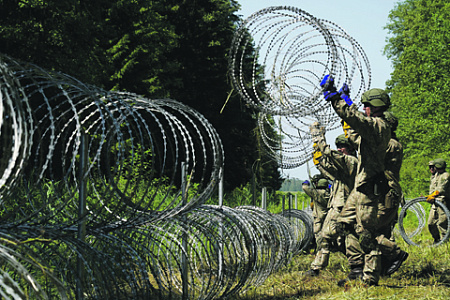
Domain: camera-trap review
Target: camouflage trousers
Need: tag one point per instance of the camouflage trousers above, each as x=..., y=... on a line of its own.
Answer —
x=333, y=241
x=437, y=222
x=318, y=221
x=361, y=213
x=387, y=217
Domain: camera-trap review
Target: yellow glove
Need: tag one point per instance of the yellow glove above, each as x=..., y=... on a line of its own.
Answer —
x=316, y=155
x=431, y=197
x=311, y=204
x=345, y=126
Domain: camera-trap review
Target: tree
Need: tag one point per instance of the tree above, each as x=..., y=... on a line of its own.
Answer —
x=205, y=30
x=160, y=49
x=419, y=49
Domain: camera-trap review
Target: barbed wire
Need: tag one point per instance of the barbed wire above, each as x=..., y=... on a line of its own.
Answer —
x=288, y=51
x=150, y=167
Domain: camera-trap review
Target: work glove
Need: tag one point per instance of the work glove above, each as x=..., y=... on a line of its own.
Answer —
x=346, y=127
x=317, y=132
x=344, y=92
x=316, y=155
x=432, y=197
x=306, y=182
x=329, y=90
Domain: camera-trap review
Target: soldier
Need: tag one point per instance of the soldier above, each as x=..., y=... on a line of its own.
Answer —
x=341, y=165
x=439, y=190
x=319, y=194
x=393, y=256
x=370, y=182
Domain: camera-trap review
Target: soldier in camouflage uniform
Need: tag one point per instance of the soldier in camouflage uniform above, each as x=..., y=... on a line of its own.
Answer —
x=361, y=209
x=393, y=256
x=341, y=165
x=320, y=195
x=440, y=191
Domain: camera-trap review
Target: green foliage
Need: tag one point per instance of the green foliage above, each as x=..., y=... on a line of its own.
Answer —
x=292, y=185
x=160, y=49
x=419, y=49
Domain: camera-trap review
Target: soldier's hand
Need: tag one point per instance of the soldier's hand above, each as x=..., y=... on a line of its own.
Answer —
x=344, y=92
x=327, y=84
x=345, y=127
x=329, y=90
x=317, y=154
x=431, y=198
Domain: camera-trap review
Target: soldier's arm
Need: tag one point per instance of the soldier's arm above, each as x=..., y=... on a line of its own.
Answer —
x=366, y=127
x=333, y=162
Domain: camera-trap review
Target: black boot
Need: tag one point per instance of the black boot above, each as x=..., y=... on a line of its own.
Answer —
x=397, y=262
x=356, y=272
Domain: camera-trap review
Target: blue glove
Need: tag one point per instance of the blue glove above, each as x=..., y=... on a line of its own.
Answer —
x=345, y=90
x=329, y=90
x=345, y=94
x=305, y=182
x=327, y=84
x=331, y=95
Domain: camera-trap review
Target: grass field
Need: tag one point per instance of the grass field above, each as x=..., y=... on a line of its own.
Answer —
x=424, y=275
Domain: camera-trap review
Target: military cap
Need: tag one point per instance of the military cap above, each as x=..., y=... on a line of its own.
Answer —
x=439, y=163
x=376, y=97
x=342, y=140
x=322, y=183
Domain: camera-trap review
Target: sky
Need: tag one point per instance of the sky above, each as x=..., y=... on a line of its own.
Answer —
x=364, y=20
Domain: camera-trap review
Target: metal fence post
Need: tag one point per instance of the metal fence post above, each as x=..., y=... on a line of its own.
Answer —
x=220, y=254
x=296, y=202
x=264, y=198
x=184, y=238
x=82, y=194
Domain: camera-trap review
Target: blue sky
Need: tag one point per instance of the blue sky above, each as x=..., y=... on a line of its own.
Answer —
x=364, y=20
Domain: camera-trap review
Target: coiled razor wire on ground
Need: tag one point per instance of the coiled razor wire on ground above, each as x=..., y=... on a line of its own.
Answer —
x=412, y=206
x=303, y=223
x=420, y=218
x=145, y=232
x=288, y=51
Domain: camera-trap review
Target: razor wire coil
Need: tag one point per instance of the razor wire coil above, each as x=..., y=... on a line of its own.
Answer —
x=414, y=203
x=138, y=225
x=289, y=52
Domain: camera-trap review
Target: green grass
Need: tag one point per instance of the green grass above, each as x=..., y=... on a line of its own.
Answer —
x=424, y=275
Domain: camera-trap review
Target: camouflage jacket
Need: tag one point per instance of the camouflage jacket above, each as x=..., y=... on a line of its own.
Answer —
x=441, y=183
x=374, y=134
x=393, y=164
x=432, y=184
x=320, y=199
x=342, y=168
